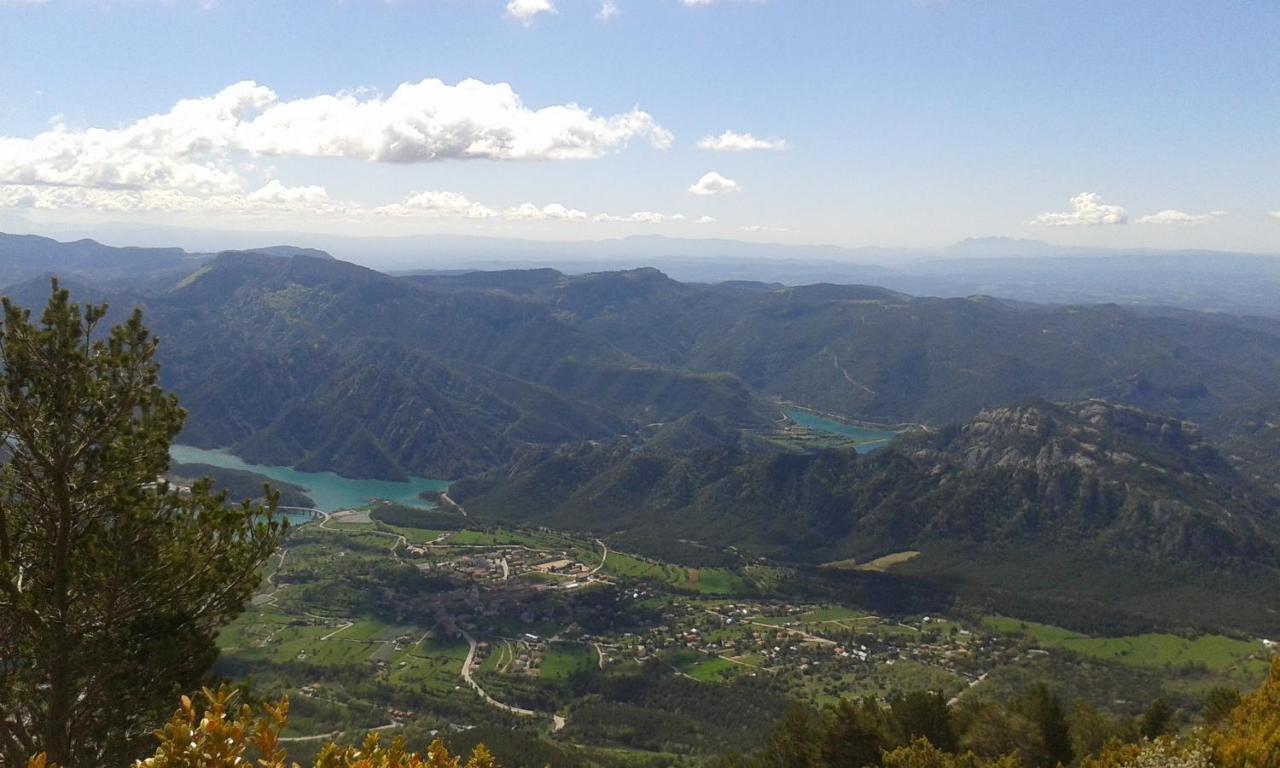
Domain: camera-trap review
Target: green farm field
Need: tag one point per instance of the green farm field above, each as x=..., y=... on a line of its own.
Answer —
x=1215, y=652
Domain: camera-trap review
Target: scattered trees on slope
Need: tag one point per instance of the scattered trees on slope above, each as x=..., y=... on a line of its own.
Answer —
x=1036, y=732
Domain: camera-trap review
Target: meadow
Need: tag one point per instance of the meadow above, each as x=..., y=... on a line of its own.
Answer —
x=1215, y=653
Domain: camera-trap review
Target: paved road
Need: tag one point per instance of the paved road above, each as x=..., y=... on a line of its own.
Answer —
x=466, y=676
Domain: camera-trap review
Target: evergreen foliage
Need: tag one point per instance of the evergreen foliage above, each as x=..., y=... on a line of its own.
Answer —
x=112, y=583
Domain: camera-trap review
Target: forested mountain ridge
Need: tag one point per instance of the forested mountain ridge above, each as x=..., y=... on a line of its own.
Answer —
x=1091, y=492
x=23, y=257
x=292, y=357
x=326, y=365
x=873, y=353
x=1130, y=480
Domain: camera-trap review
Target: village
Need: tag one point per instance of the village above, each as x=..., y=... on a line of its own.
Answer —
x=515, y=606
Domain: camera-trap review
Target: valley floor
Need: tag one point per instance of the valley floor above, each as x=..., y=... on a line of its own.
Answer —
x=425, y=631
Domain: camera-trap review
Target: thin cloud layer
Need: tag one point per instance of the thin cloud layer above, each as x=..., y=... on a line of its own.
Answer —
x=273, y=199
x=453, y=205
x=1170, y=216
x=642, y=217
x=608, y=11
x=731, y=141
x=1087, y=208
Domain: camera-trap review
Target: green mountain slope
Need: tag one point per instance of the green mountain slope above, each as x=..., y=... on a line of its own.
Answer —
x=321, y=364
x=874, y=353
x=1104, y=502
x=302, y=359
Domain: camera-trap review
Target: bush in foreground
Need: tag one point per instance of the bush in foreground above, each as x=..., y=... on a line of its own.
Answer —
x=223, y=736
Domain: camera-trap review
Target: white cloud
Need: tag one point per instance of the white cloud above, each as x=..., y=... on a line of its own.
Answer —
x=608, y=11
x=730, y=141
x=763, y=228
x=430, y=120
x=275, y=192
x=1275, y=214
x=531, y=212
x=1180, y=217
x=640, y=217
x=714, y=184
x=1086, y=208
x=438, y=204
x=272, y=199
x=453, y=205
x=705, y=220
x=525, y=11
x=275, y=199
x=183, y=148
x=192, y=146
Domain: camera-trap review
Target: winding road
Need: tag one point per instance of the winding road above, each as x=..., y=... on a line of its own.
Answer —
x=466, y=676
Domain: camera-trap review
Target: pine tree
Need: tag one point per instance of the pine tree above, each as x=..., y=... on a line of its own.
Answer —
x=924, y=714
x=1045, y=710
x=112, y=583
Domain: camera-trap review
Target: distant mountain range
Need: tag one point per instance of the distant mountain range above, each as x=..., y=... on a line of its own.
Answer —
x=1026, y=270
x=296, y=358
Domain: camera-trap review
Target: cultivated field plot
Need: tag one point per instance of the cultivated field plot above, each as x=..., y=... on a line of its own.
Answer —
x=1215, y=653
x=563, y=660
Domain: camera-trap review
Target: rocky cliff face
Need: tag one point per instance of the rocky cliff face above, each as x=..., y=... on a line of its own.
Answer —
x=1128, y=479
x=1089, y=435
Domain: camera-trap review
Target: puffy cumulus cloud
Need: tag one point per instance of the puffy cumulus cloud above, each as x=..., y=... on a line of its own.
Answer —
x=192, y=146
x=1170, y=216
x=525, y=11
x=183, y=148
x=276, y=193
x=608, y=11
x=713, y=184
x=1086, y=208
x=763, y=228
x=705, y=220
x=431, y=120
x=731, y=141
x=1275, y=214
x=531, y=212
x=438, y=204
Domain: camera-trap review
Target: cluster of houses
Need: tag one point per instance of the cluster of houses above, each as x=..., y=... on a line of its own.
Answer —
x=502, y=563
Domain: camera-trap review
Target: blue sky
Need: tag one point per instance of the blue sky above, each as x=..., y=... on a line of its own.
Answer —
x=890, y=122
